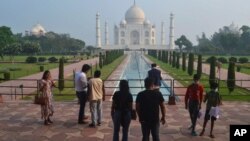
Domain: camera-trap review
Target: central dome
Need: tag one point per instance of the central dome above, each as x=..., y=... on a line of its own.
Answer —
x=38, y=30
x=135, y=15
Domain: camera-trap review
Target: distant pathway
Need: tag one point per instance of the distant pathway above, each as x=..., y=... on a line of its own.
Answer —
x=68, y=70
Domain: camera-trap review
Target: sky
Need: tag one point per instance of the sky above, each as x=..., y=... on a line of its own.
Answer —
x=77, y=17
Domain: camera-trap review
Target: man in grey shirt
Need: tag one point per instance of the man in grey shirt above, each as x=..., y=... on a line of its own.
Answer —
x=81, y=85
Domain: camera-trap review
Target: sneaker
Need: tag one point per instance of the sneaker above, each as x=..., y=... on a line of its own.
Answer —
x=99, y=124
x=194, y=133
x=92, y=125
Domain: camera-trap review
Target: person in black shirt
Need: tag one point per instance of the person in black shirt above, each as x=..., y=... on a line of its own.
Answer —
x=156, y=75
x=147, y=107
x=121, y=110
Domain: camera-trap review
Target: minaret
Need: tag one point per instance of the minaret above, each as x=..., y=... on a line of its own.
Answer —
x=162, y=34
x=171, y=34
x=98, y=31
x=106, y=34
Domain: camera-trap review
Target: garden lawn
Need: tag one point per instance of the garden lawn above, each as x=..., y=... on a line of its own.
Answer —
x=22, y=58
x=239, y=94
x=25, y=69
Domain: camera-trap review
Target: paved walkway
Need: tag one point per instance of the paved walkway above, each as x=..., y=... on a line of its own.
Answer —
x=21, y=122
x=32, y=83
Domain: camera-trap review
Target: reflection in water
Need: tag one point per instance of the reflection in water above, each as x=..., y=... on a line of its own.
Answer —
x=136, y=71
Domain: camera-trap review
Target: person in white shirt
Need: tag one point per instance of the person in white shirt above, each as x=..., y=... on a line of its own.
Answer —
x=81, y=85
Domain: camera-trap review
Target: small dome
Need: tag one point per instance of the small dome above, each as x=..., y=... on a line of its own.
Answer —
x=123, y=22
x=135, y=15
x=38, y=30
x=146, y=22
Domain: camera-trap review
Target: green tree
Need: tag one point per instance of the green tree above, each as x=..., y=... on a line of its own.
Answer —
x=205, y=45
x=190, y=64
x=30, y=48
x=228, y=38
x=6, y=38
x=100, y=60
x=174, y=59
x=167, y=56
x=184, y=61
x=245, y=37
x=61, y=75
x=170, y=57
x=12, y=50
x=212, y=74
x=231, y=76
x=199, y=65
x=177, y=60
x=184, y=42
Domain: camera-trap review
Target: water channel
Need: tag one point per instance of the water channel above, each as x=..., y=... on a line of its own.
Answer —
x=136, y=71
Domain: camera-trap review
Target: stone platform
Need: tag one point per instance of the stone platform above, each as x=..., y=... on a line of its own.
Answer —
x=20, y=121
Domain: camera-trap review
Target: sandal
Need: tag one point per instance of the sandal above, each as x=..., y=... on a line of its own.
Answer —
x=202, y=132
x=211, y=136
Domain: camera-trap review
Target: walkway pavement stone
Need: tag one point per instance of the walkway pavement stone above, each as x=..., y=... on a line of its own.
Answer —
x=20, y=121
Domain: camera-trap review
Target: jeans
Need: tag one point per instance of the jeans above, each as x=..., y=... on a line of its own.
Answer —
x=96, y=111
x=121, y=119
x=193, y=112
x=150, y=127
x=82, y=96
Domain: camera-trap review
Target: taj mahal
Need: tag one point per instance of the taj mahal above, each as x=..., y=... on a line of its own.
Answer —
x=135, y=32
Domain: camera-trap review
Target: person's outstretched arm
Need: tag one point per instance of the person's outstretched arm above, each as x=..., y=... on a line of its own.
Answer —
x=163, y=112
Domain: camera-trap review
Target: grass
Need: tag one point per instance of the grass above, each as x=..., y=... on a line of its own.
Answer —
x=24, y=69
x=22, y=58
x=239, y=94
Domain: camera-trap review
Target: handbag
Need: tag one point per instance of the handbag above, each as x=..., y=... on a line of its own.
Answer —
x=133, y=114
x=39, y=99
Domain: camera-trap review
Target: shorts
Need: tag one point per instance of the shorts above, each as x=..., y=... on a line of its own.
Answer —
x=208, y=117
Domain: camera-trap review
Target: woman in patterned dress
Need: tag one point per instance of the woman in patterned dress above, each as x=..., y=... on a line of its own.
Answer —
x=45, y=86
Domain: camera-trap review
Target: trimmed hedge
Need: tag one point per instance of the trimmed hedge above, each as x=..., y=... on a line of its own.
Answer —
x=222, y=60
x=42, y=59
x=53, y=59
x=243, y=60
x=6, y=75
x=31, y=59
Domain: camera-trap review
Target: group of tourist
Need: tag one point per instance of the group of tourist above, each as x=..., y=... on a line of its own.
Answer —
x=148, y=103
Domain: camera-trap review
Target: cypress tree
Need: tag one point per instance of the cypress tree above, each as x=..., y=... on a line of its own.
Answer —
x=100, y=60
x=190, y=64
x=212, y=70
x=159, y=54
x=177, y=60
x=231, y=76
x=174, y=59
x=61, y=75
x=170, y=58
x=184, y=61
x=199, y=65
x=166, y=56
x=163, y=57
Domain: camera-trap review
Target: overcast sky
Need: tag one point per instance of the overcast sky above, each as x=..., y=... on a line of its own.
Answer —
x=77, y=17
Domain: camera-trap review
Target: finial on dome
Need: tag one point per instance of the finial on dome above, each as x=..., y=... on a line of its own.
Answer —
x=134, y=2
